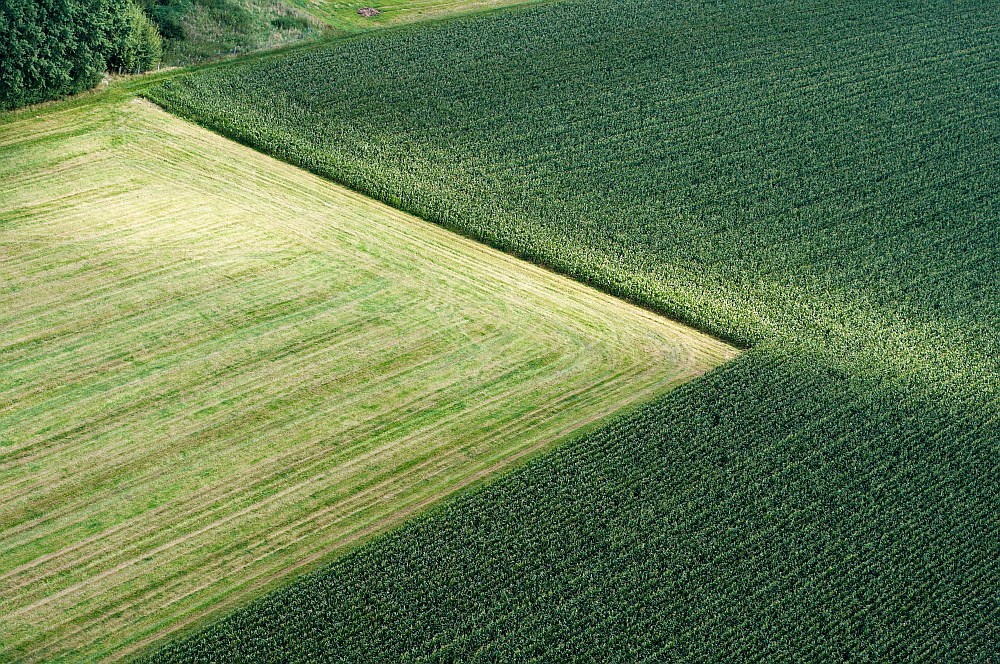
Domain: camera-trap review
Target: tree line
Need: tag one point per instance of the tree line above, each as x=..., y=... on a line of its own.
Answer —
x=53, y=48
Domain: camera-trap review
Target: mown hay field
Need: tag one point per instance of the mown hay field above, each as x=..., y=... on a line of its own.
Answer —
x=217, y=371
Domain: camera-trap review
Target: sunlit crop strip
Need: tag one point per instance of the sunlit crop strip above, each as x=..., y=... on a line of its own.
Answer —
x=217, y=370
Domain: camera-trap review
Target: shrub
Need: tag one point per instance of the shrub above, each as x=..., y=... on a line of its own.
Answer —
x=53, y=48
x=286, y=22
x=138, y=46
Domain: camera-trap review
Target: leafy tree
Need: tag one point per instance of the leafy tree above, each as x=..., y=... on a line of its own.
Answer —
x=53, y=48
x=138, y=45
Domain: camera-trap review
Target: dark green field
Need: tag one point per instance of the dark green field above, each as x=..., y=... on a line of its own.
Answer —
x=819, y=180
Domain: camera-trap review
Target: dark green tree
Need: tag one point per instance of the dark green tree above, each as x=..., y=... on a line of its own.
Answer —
x=54, y=48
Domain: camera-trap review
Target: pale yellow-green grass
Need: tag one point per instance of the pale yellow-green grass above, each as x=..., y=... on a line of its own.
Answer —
x=218, y=371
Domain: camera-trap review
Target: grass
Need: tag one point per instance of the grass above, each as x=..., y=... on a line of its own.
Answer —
x=217, y=371
x=815, y=178
x=215, y=29
x=343, y=16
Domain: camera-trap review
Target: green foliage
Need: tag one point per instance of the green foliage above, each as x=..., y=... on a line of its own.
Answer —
x=198, y=30
x=53, y=48
x=290, y=23
x=225, y=16
x=50, y=48
x=229, y=14
x=139, y=47
x=167, y=15
x=816, y=179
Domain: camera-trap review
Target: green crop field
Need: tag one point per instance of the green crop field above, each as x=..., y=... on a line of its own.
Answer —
x=819, y=179
x=217, y=370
